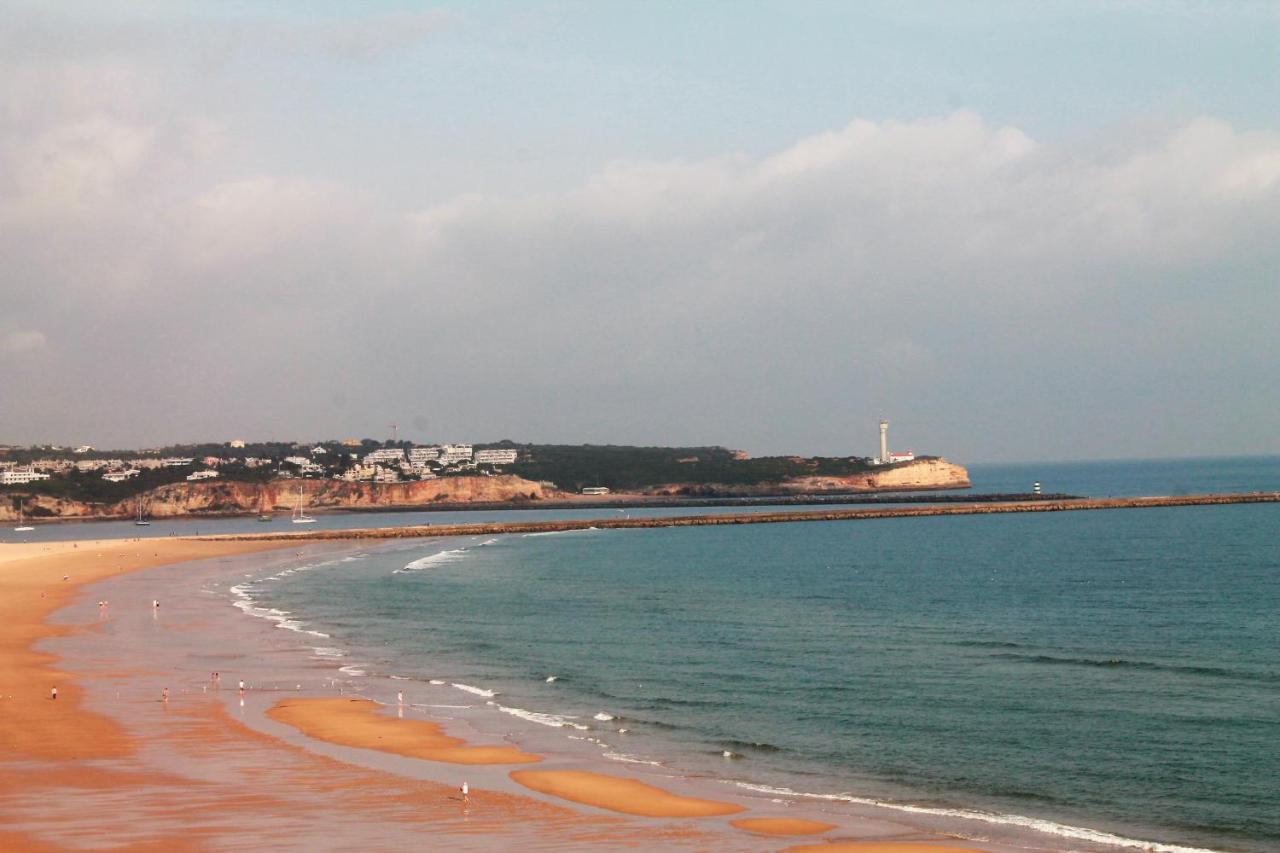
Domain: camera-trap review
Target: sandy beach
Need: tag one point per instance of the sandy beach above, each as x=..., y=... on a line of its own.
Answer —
x=112, y=762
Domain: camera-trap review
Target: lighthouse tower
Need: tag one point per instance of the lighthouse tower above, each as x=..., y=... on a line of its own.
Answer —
x=884, y=442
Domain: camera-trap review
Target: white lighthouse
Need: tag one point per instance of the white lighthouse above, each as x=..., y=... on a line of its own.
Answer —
x=884, y=442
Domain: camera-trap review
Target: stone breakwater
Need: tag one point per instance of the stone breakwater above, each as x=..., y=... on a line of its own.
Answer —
x=1080, y=504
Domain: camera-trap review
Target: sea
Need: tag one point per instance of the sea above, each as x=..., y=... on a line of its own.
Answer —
x=1102, y=676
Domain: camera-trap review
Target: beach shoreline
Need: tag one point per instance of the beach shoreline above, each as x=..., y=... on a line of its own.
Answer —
x=559, y=819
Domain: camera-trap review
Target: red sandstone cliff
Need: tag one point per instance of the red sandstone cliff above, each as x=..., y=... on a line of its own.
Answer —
x=213, y=497
x=921, y=474
x=231, y=498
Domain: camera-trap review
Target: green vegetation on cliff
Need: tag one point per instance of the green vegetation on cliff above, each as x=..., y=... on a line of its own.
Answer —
x=571, y=467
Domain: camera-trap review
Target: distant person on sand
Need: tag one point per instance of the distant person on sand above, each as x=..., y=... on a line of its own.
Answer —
x=466, y=794
x=164, y=696
x=53, y=694
x=242, y=685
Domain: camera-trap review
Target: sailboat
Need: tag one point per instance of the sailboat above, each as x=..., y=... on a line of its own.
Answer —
x=300, y=517
x=21, y=528
x=140, y=522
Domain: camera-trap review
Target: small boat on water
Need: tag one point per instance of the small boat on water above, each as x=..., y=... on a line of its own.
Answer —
x=21, y=528
x=299, y=516
x=140, y=522
x=266, y=516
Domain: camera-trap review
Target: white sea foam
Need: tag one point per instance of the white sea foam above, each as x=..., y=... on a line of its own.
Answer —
x=479, y=691
x=557, y=721
x=351, y=669
x=398, y=677
x=630, y=759
x=551, y=678
x=435, y=559
x=437, y=681
x=328, y=652
x=603, y=717
x=1079, y=833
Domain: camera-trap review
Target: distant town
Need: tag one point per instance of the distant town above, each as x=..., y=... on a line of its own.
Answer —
x=353, y=460
x=45, y=481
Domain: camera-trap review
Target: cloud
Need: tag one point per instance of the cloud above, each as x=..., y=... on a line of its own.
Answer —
x=908, y=268
x=22, y=341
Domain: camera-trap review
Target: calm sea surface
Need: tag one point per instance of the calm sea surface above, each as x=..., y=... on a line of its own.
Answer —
x=1116, y=670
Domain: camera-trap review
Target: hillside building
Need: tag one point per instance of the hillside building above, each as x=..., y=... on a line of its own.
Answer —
x=21, y=477
x=495, y=456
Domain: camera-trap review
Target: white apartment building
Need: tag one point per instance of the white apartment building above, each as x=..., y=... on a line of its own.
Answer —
x=29, y=475
x=384, y=454
x=901, y=457
x=452, y=453
x=495, y=457
x=202, y=475
x=176, y=461
x=422, y=455
x=52, y=464
x=120, y=476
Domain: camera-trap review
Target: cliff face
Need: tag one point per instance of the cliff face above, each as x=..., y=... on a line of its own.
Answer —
x=212, y=497
x=907, y=476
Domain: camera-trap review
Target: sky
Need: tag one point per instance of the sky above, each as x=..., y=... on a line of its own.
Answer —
x=1018, y=231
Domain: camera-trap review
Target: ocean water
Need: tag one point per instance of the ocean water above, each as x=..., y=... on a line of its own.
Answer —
x=1114, y=671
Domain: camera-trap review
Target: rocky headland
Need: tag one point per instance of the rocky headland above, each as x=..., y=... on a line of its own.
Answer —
x=230, y=497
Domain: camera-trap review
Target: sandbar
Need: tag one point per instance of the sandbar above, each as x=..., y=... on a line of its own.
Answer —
x=614, y=793
x=360, y=723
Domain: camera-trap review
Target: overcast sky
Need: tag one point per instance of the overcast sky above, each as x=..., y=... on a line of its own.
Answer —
x=1017, y=230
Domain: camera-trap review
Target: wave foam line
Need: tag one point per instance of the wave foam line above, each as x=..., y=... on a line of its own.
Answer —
x=1079, y=833
x=436, y=559
x=479, y=691
x=555, y=721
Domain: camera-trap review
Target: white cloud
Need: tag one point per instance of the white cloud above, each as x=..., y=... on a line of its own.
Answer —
x=875, y=265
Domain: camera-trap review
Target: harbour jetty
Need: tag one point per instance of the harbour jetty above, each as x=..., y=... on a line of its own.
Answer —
x=859, y=514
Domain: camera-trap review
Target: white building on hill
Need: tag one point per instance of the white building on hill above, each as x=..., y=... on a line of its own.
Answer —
x=384, y=455
x=422, y=455
x=453, y=453
x=29, y=475
x=495, y=456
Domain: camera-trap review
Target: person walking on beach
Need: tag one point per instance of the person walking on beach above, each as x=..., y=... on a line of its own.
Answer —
x=466, y=794
x=53, y=694
x=242, y=686
x=164, y=695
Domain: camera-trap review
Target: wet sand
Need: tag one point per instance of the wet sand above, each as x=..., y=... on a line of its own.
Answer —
x=617, y=794
x=284, y=765
x=782, y=826
x=361, y=723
